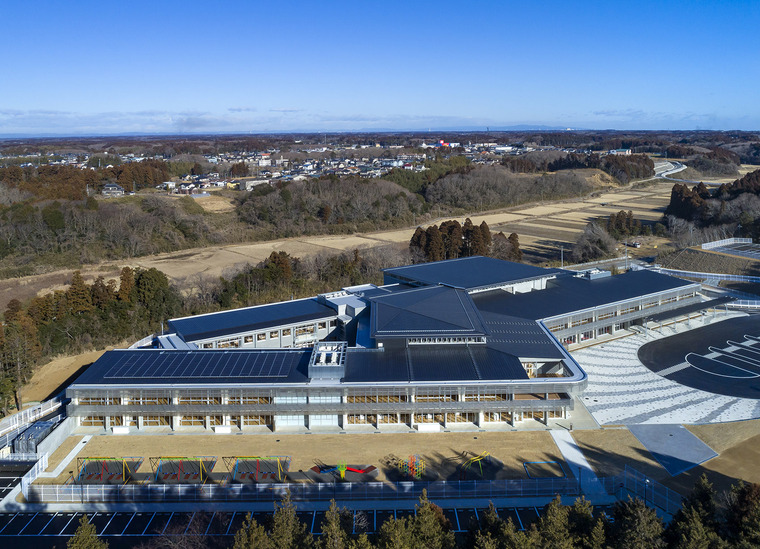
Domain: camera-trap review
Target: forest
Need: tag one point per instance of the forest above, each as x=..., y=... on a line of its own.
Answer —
x=707, y=520
x=704, y=213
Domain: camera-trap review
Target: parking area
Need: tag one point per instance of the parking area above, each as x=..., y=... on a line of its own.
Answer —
x=223, y=524
x=10, y=476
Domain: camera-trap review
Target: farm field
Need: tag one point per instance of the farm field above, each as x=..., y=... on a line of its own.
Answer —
x=539, y=240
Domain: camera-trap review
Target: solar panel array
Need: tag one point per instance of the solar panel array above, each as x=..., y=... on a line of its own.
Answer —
x=751, y=251
x=206, y=364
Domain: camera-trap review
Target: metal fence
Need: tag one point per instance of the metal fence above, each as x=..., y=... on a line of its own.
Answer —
x=725, y=242
x=19, y=457
x=744, y=304
x=25, y=417
x=637, y=485
x=302, y=492
x=32, y=474
x=707, y=276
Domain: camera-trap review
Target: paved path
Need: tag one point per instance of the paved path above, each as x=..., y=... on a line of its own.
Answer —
x=577, y=462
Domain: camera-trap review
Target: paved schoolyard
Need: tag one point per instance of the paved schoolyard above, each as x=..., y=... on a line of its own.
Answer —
x=622, y=390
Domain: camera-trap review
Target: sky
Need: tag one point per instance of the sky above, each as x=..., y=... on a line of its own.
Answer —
x=92, y=68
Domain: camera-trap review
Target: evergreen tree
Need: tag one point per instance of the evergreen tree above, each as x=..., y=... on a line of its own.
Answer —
x=417, y=244
x=394, y=534
x=451, y=231
x=467, y=234
x=478, y=242
x=334, y=536
x=434, y=250
x=553, y=526
x=20, y=352
x=79, y=296
x=127, y=285
x=742, y=516
x=635, y=526
x=85, y=537
x=288, y=532
x=251, y=535
x=429, y=527
x=580, y=520
x=689, y=532
x=517, y=254
x=485, y=231
x=101, y=294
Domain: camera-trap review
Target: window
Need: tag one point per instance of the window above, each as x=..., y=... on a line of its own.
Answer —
x=208, y=345
x=248, y=339
x=250, y=400
x=274, y=335
x=228, y=343
x=93, y=421
x=156, y=421
x=322, y=326
x=305, y=330
x=255, y=420
x=261, y=337
x=192, y=421
x=286, y=332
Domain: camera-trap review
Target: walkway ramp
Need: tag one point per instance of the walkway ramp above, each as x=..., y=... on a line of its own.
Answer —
x=577, y=463
x=673, y=446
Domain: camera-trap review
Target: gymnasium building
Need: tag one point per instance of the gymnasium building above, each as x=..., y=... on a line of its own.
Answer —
x=474, y=343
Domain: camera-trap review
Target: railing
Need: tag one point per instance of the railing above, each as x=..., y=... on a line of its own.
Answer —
x=707, y=276
x=22, y=457
x=147, y=340
x=302, y=492
x=637, y=485
x=29, y=415
x=725, y=242
x=745, y=304
x=32, y=474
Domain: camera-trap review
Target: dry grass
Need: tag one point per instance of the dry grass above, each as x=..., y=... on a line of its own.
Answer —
x=608, y=451
x=216, y=203
x=442, y=452
x=50, y=378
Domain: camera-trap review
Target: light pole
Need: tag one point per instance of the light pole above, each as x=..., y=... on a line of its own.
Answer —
x=562, y=256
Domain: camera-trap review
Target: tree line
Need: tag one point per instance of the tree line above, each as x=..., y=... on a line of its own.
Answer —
x=624, y=168
x=701, y=523
x=452, y=240
x=110, y=312
x=731, y=209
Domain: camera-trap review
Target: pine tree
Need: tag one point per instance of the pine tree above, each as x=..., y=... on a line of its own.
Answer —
x=517, y=254
x=333, y=535
x=127, y=285
x=478, y=242
x=429, y=527
x=580, y=519
x=288, y=532
x=251, y=535
x=85, y=537
x=467, y=235
x=689, y=532
x=394, y=534
x=635, y=526
x=553, y=526
x=417, y=244
x=78, y=294
x=485, y=231
x=434, y=250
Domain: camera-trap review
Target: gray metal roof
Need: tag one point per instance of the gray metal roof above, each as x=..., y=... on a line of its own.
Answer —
x=568, y=294
x=250, y=319
x=424, y=312
x=468, y=273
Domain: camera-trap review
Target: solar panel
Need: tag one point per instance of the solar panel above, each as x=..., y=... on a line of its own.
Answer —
x=171, y=364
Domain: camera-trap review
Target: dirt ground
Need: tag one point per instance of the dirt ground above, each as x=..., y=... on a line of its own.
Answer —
x=442, y=452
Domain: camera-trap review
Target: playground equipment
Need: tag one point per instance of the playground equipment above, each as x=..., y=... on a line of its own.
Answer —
x=465, y=467
x=106, y=470
x=342, y=467
x=182, y=469
x=257, y=468
x=414, y=467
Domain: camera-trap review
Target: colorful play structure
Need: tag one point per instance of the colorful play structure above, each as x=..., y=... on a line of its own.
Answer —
x=475, y=460
x=414, y=467
x=322, y=469
x=257, y=468
x=182, y=469
x=106, y=470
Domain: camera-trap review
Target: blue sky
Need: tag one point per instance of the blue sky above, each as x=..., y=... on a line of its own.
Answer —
x=115, y=67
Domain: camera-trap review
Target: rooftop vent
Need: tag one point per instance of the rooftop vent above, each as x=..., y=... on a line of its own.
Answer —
x=328, y=361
